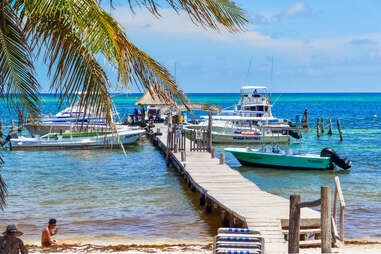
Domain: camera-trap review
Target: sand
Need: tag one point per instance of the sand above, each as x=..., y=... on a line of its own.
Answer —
x=126, y=249
x=365, y=248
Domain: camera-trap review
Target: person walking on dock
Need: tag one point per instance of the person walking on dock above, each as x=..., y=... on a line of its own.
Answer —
x=10, y=244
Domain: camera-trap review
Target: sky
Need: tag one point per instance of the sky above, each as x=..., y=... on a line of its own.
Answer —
x=289, y=46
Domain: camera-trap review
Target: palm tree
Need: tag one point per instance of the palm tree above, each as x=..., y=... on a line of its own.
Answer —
x=72, y=34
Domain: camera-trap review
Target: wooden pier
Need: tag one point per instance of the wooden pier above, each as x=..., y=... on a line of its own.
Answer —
x=238, y=201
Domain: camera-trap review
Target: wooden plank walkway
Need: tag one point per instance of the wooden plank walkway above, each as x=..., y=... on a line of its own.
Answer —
x=235, y=195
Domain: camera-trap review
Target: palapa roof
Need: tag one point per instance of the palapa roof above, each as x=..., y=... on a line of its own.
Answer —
x=155, y=95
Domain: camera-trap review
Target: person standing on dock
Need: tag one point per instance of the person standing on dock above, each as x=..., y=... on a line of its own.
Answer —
x=136, y=114
x=10, y=244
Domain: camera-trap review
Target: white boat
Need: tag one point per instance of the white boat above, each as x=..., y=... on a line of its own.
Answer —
x=79, y=140
x=252, y=136
x=253, y=110
x=72, y=119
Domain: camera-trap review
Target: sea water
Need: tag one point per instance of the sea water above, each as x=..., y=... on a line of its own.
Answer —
x=105, y=196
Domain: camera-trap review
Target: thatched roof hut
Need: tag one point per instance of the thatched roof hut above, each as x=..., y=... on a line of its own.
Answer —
x=155, y=95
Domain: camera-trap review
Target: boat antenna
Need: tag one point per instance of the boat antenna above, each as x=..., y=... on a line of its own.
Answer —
x=248, y=69
x=175, y=73
x=271, y=75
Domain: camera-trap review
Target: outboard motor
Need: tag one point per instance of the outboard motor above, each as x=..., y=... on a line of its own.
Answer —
x=343, y=163
x=295, y=134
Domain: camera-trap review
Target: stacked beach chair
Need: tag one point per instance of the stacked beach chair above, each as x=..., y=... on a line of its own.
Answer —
x=238, y=241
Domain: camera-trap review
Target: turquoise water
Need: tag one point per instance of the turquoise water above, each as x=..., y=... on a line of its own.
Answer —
x=102, y=195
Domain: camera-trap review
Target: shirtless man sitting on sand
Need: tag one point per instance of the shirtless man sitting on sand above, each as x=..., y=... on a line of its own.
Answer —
x=48, y=232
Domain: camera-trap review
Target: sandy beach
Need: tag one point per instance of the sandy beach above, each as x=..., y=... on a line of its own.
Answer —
x=365, y=248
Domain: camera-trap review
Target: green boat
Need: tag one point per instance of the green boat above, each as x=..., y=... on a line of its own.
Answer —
x=276, y=157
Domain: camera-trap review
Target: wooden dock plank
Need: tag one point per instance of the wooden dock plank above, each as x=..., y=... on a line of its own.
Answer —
x=237, y=195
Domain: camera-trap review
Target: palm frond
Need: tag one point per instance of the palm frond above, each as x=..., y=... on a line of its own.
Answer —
x=75, y=68
x=101, y=34
x=17, y=82
x=207, y=13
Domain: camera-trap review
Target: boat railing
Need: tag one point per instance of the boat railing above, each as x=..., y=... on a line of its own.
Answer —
x=339, y=196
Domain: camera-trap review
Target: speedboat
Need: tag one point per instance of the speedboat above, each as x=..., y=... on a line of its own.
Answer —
x=277, y=157
x=78, y=140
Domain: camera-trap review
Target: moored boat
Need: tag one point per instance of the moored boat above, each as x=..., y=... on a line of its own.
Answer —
x=276, y=157
x=79, y=140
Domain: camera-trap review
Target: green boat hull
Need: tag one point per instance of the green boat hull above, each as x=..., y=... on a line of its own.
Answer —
x=281, y=161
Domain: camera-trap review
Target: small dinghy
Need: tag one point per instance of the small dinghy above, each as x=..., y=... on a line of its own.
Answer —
x=277, y=157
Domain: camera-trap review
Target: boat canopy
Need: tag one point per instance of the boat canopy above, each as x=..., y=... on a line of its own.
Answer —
x=244, y=112
x=251, y=89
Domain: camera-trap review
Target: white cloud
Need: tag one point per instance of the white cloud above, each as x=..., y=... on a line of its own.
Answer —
x=295, y=10
x=179, y=26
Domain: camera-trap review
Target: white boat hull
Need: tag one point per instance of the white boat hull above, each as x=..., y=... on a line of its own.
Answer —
x=221, y=138
x=92, y=142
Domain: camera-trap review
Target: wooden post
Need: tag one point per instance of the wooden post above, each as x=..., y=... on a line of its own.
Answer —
x=225, y=219
x=294, y=225
x=339, y=128
x=342, y=224
x=325, y=220
x=222, y=158
x=335, y=205
x=322, y=125
x=307, y=123
x=330, y=127
x=208, y=205
x=20, y=122
x=202, y=199
x=209, y=131
x=318, y=128
x=342, y=207
x=183, y=156
x=213, y=153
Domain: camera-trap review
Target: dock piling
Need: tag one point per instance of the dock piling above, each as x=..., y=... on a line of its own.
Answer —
x=20, y=122
x=202, y=199
x=318, y=128
x=183, y=156
x=213, y=153
x=322, y=125
x=208, y=205
x=330, y=127
x=326, y=241
x=339, y=129
x=222, y=158
x=209, y=131
x=294, y=225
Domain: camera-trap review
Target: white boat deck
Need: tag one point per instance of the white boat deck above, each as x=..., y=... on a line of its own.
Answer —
x=240, y=197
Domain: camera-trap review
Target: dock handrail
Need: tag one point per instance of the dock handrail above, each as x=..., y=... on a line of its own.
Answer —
x=339, y=193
